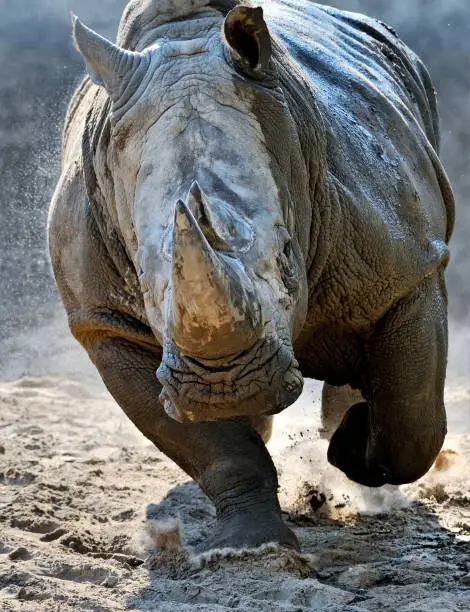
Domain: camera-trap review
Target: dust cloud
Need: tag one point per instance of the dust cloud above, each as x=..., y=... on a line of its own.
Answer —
x=38, y=73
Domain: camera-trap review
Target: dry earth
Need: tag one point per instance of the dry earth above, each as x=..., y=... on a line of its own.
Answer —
x=81, y=489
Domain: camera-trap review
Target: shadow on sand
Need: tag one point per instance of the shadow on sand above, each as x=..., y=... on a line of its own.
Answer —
x=402, y=560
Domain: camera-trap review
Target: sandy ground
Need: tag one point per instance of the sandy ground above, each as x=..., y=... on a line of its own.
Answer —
x=81, y=489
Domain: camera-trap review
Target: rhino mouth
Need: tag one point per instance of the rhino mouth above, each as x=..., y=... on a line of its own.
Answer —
x=262, y=380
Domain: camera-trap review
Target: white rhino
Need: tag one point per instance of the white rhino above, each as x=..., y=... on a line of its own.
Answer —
x=250, y=195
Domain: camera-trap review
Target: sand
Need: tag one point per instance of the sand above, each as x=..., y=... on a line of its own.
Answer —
x=83, y=495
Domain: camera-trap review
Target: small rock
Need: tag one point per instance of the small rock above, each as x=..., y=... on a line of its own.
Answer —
x=53, y=535
x=324, y=575
x=125, y=515
x=466, y=579
x=359, y=577
x=110, y=582
x=75, y=542
x=11, y=591
x=2, y=449
x=19, y=554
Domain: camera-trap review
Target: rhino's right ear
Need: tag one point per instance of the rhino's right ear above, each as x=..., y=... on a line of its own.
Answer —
x=248, y=37
x=107, y=64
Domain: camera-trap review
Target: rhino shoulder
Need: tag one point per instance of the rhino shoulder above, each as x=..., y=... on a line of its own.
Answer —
x=92, y=289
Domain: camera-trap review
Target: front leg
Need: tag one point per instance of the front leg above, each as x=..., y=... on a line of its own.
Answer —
x=228, y=458
x=395, y=436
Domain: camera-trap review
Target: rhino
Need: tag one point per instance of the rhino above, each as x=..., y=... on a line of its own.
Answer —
x=251, y=195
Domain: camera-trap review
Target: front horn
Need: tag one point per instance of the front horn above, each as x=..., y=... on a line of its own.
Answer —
x=214, y=312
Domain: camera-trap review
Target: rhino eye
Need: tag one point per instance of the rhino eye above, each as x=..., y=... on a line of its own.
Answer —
x=288, y=249
x=287, y=268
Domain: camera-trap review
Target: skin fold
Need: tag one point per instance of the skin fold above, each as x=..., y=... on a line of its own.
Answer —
x=250, y=196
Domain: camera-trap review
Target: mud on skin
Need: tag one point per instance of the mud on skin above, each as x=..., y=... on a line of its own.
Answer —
x=225, y=185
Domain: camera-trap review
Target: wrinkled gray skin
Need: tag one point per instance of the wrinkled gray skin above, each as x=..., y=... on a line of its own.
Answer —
x=240, y=207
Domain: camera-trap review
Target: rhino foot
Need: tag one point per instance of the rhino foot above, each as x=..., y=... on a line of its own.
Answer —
x=250, y=530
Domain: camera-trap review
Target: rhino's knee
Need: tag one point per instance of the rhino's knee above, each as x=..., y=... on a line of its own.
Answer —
x=399, y=473
x=404, y=454
x=348, y=447
x=398, y=457
x=411, y=461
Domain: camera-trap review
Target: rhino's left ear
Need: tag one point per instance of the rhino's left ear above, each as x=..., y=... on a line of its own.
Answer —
x=107, y=64
x=248, y=37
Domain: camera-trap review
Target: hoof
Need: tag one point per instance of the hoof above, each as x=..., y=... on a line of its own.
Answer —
x=242, y=531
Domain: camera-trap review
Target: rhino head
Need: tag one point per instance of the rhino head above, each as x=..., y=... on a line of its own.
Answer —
x=208, y=181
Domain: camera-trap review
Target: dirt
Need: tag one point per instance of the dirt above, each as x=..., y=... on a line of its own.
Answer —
x=93, y=517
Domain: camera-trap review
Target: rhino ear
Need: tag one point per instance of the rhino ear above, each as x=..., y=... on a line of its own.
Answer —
x=248, y=37
x=107, y=64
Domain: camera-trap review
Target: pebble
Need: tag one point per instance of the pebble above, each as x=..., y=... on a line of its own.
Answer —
x=359, y=577
x=110, y=582
x=53, y=535
x=466, y=579
x=19, y=554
